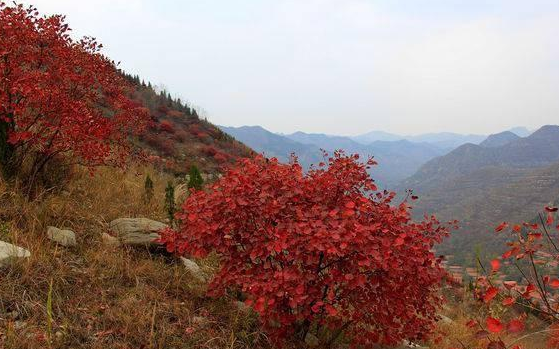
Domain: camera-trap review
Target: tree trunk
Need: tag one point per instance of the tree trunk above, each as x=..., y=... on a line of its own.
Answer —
x=6, y=149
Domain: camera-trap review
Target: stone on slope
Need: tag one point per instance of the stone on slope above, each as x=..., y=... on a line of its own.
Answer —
x=109, y=240
x=10, y=253
x=137, y=231
x=62, y=237
x=194, y=269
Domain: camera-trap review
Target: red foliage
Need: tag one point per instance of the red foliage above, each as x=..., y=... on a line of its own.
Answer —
x=221, y=157
x=167, y=126
x=534, y=252
x=209, y=150
x=322, y=248
x=181, y=136
x=60, y=96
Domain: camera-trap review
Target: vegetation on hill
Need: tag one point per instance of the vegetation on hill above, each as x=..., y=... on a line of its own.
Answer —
x=322, y=254
x=483, y=186
x=177, y=138
x=320, y=259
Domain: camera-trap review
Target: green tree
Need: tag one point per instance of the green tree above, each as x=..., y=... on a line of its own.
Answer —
x=170, y=201
x=148, y=190
x=196, y=181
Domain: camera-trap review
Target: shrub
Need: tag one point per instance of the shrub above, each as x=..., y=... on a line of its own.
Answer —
x=209, y=150
x=196, y=181
x=148, y=190
x=181, y=136
x=170, y=201
x=167, y=126
x=220, y=157
x=533, y=250
x=322, y=252
x=51, y=109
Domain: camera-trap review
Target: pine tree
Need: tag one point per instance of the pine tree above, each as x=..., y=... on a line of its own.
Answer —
x=170, y=201
x=148, y=190
x=196, y=181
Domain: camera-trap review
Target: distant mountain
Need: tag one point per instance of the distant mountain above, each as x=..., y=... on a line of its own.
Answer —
x=373, y=136
x=443, y=140
x=521, y=131
x=499, y=139
x=397, y=159
x=328, y=142
x=483, y=185
x=447, y=140
x=274, y=145
x=539, y=149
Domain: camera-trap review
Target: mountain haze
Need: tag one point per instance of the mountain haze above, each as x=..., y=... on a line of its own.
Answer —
x=397, y=159
x=483, y=185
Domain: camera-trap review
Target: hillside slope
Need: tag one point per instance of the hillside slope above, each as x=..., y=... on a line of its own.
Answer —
x=537, y=150
x=483, y=186
x=179, y=138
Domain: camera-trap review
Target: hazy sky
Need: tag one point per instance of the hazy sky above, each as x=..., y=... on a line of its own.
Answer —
x=340, y=66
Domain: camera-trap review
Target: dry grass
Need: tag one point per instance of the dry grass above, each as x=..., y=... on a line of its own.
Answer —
x=102, y=297
x=457, y=333
x=95, y=296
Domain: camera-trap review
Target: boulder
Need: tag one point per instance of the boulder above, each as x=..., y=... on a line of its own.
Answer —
x=109, y=240
x=62, y=237
x=194, y=269
x=446, y=320
x=137, y=231
x=10, y=253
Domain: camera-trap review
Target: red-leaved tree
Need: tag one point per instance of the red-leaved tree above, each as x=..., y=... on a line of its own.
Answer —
x=60, y=98
x=322, y=252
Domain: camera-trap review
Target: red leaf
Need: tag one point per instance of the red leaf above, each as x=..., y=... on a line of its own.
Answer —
x=495, y=265
x=515, y=326
x=494, y=325
x=501, y=227
x=554, y=283
x=508, y=301
x=471, y=323
x=490, y=294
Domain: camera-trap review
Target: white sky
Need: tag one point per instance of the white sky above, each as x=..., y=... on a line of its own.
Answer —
x=340, y=66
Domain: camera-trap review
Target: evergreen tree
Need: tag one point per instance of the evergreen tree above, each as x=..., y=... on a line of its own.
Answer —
x=170, y=208
x=148, y=190
x=196, y=181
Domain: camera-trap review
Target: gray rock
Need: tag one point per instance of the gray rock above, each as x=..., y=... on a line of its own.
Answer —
x=62, y=237
x=446, y=320
x=194, y=269
x=137, y=231
x=109, y=240
x=10, y=253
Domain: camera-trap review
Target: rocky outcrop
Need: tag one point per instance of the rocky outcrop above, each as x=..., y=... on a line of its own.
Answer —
x=65, y=238
x=137, y=231
x=10, y=253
